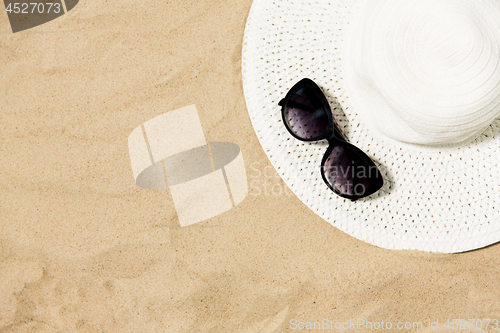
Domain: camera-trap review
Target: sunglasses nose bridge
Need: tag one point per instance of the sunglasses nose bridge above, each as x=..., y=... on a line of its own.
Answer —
x=332, y=140
x=336, y=136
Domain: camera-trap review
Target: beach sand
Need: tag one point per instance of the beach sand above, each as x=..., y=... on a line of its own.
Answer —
x=83, y=249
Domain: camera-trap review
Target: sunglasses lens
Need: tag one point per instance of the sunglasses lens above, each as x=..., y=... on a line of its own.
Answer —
x=305, y=114
x=350, y=172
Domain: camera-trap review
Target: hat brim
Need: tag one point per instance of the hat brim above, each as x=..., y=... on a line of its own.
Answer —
x=439, y=199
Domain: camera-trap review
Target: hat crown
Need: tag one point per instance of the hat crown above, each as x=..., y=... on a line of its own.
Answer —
x=425, y=71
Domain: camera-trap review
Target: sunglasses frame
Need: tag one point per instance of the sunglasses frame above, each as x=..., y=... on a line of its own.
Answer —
x=334, y=136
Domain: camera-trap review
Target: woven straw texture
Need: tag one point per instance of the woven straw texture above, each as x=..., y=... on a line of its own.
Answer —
x=439, y=199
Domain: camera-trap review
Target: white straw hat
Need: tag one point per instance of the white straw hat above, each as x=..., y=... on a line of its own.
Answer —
x=415, y=84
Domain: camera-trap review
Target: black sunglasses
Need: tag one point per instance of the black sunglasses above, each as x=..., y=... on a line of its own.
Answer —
x=347, y=170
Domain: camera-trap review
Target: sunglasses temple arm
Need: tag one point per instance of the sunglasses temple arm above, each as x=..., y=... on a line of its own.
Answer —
x=380, y=165
x=295, y=105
